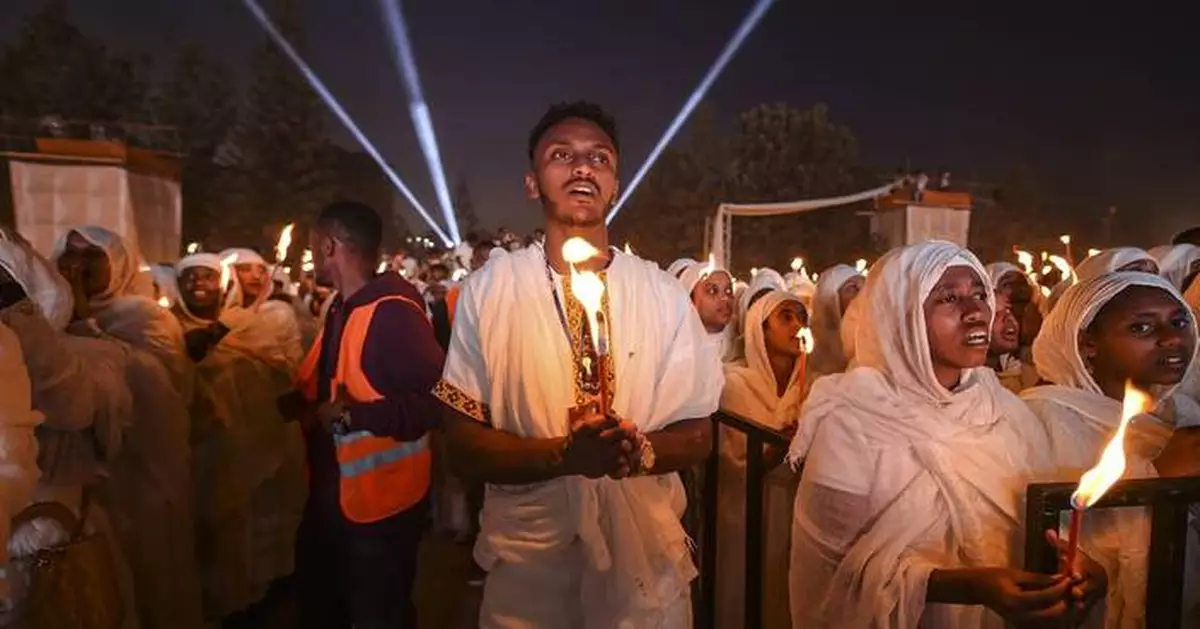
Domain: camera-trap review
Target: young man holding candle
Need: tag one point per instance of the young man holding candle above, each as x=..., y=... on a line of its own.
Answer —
x=580, y=527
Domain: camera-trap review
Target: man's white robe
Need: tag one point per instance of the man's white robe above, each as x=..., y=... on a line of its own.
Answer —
x=574, y=552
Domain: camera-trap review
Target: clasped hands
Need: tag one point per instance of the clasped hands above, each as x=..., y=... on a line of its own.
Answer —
x=601, y=445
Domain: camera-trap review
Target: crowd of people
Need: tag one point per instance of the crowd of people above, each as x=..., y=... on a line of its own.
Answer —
x=215, y=429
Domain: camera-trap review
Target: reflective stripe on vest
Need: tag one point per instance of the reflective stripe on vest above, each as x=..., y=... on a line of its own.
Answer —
x=401, y=450
x=379, y=476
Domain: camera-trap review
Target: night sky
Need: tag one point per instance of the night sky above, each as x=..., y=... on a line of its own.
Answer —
x=1102, y=106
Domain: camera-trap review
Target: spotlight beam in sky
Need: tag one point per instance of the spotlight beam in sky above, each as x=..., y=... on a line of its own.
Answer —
x=393, y=19
x=751, y=20
x=263, y=19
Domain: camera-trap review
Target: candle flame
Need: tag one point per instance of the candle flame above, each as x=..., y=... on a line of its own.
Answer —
x=806, y=340
x=1064, y=267
x=587, y=288
x=164, y=302
x=1025, y=259
x=227, y=269
x=797, y=264
x=628, y=249
x=193, y=247
x=1092, y=252
x=1065, y=239
x=576, y=250
x=1045, y=291
x=1111, y=466
x=284, y=242
x=382, y=267
x=753, y=272
x=861, y=267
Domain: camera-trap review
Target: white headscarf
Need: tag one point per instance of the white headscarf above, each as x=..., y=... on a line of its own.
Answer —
x=126, y=274
x=42, y=282
x=764, y=279
x=750, y=387
x=196, y=260
x=826, y=322
x=1175, y=262
x=691, y=275
x=233, y=296
x=678, y=266
x=1110, y=261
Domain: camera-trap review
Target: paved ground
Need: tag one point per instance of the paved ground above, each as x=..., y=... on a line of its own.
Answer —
x=444, y=599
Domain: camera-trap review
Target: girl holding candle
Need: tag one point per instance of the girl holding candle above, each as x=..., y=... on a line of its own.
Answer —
x=1106, y=331
x=915, y=462
x=766, y=388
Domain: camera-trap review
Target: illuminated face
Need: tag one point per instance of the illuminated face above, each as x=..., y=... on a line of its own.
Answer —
x=574, y=173
x=713, y=298
x=323, y=247
x=1143, y=335
x=782, y=327
x=253, y=279
x=1006, y=332
x=957, y=320
x=200, y=289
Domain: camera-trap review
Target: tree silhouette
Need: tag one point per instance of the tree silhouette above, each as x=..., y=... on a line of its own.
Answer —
x=464, y=207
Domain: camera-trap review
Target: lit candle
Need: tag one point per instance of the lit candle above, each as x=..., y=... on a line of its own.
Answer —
x=588, y=290
x=284, y=242
x=1096, y=481
x=806, y=346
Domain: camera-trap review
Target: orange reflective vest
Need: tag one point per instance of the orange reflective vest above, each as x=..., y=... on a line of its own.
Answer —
x=452, y=302
x=380, y=476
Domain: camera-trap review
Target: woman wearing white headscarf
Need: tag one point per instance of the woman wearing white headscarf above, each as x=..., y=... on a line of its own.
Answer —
x=249, y=461
x=272, y=323
x=150, y=483
x=764, y=281
x=711, y=292
x=1007, y=355
x=78, y=384
x=765, y=388
x=836, y=288
x=1149, y=338
x=915, y=460
x=1178, y=264
x=107, y=272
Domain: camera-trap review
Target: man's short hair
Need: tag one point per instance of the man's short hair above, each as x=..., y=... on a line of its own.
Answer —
x=353, y=223
x=1190, y=236
x=583, y=110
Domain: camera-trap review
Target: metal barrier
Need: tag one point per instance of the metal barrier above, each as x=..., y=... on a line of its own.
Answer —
x=1168, y=500
x=757, y=436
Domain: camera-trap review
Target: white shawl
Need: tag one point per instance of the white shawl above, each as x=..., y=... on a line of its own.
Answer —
x=1081, y=420
x=234, y=296
x=1110, y=261
x=827, y=356
x=750, y=389
x=901, y=475
x=509, y=352
x=1175, y=262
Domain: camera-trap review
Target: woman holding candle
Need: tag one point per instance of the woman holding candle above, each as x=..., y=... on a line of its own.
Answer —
x=766, y=388
x=909, y=509
x=1105, y=332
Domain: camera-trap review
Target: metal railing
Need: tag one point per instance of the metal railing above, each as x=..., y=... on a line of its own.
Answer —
x=1168, y=500
x=757, y=437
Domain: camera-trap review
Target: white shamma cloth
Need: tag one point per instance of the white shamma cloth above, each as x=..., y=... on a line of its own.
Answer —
x=902, y=476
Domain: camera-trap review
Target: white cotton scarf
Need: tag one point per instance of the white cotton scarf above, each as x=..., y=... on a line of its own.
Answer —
x=828, y=356
x=665, y=372
x=234, y=295
x=1110, y=261
x=1080, y=420
x=124, y=310
x=42, y=282
x=750, y=388
x=1175, y=262
x=967, y=453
